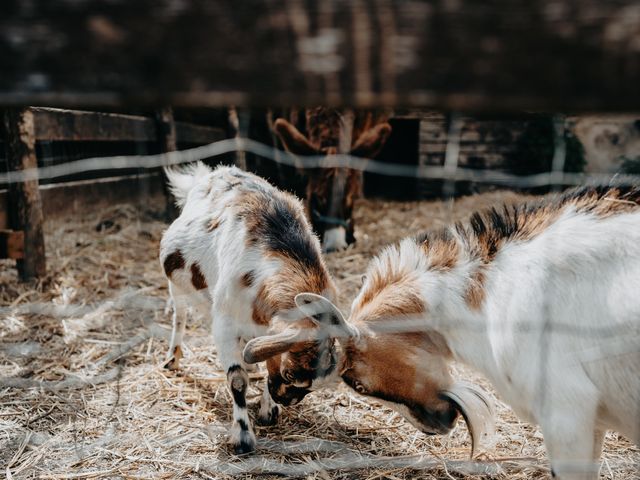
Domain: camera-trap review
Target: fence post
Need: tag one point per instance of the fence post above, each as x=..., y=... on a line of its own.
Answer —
x=168, y=142
x=25, y=206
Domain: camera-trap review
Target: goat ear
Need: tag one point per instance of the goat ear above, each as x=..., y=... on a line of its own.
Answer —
x=292, y=139
x=324, y=313
x=371, y=142
x=262, y=348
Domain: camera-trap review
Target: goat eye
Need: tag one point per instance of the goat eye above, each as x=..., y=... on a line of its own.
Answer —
x=364, y=279
x=360, y=388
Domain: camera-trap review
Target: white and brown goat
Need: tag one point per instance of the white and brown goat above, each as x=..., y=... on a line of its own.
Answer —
x=240, y=251
x=542, y=298
x=331, y=192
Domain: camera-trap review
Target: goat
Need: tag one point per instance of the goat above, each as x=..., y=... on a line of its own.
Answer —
x=542, y=298
x=240, y=251
x=331, y=192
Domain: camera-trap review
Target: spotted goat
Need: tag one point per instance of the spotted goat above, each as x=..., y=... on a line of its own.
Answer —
x=239, y=252
x=331, y=192
x=542, y=298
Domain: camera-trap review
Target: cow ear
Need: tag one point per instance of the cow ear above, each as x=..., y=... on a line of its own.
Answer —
x=371, y=142
x=292, y=139
x=325, y=314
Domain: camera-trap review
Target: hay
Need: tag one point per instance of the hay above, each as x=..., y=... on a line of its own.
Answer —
x=83, y=393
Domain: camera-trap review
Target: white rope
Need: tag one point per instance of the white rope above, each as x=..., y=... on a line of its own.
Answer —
x=215, y=149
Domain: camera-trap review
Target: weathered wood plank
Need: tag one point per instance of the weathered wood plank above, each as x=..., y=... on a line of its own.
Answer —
x=197, y=134
x=11, y=244
x=75, y=125
x=25, y=206
x=579, y=55
x=167, y=138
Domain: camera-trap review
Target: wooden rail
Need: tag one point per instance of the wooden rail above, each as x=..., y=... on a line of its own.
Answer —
x=75, y=125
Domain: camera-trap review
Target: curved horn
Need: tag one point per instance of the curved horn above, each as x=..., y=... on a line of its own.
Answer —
x=261, y=348
x=477, y=409
x=325, y=314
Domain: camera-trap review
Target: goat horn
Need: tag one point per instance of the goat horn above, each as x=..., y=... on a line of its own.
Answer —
x=477, y=409
x=325, y=314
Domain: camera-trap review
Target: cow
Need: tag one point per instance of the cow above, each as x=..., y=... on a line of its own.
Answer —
x=331, y=192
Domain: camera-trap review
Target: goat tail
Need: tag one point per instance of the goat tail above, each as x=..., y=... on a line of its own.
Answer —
x=182, y=180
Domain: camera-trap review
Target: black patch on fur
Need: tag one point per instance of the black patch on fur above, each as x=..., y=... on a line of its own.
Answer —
x=280, y=228
x=495, y=226
x=271, y=418
x=248, y=278
x=242, y=447
x=243, y=424
x=291, y=392
x=626, y=192
x=174, y=261
x=239, y=395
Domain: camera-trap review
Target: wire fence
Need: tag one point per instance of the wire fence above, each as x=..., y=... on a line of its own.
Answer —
x=77, y=319
x=450, y=171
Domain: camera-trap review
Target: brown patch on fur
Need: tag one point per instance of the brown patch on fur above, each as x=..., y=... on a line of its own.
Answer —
x=387, y=368
x=247, y=279
x=197, y=278
x=390, y=293
x=475, y=293
x=174, y=362
x=441, y=248
x=277, y=292
x=173, y=261
x=606, y=202
x=212, y=224
x=488, y=231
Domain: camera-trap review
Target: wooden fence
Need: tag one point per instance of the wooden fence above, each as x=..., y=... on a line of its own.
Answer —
x=21, y=219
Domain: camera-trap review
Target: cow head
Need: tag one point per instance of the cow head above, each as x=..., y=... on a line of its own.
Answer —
x=331, y=192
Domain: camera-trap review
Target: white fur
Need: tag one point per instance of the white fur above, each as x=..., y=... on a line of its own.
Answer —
x=558, y=333
x=334, y=239
x=223, y=256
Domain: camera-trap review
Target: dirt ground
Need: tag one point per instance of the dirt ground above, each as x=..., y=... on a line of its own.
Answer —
x=83, y=393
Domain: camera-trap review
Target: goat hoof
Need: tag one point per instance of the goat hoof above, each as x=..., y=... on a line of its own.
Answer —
x=270, y=418
x=173, y=362
x=242, y=441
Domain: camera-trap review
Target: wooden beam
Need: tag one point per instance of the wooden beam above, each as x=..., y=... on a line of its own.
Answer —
x=576, y=55
x=11, y=244
x=25, y=206
x=167, y=138
x=197, y=134
x=74, y=125
x=58, y=124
